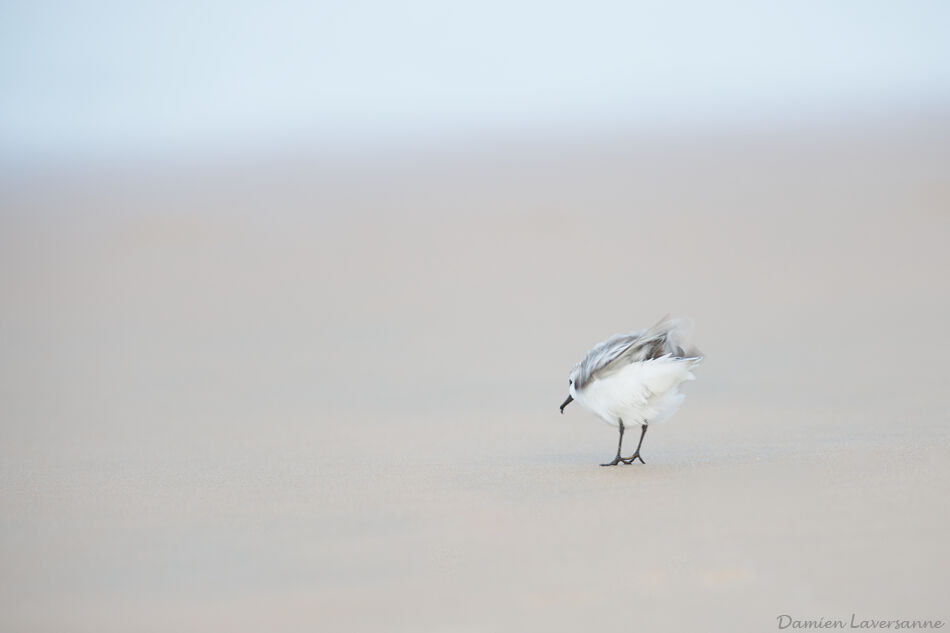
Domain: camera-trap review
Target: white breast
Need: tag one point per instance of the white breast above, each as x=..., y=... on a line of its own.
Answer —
x=642, y=392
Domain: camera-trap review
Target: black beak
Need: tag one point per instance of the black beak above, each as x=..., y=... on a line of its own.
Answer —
x=569, y=400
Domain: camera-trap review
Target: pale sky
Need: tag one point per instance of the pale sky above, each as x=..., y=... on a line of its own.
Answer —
x=121, y=77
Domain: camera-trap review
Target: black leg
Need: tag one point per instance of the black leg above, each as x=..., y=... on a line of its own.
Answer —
x=636, y=454
x=618, y=459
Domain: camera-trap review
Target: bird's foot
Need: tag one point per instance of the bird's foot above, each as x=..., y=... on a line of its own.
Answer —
x=632, y=458
x=616, y=461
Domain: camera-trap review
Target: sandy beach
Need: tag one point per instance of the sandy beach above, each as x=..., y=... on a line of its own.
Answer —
x=324, y=396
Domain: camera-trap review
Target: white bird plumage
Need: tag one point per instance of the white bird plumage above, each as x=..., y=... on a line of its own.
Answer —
x=633, y=379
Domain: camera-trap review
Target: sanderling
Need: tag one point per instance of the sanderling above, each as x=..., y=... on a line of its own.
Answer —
x=634, y=378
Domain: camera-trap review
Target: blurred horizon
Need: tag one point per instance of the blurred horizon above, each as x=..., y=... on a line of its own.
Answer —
x=118, y=82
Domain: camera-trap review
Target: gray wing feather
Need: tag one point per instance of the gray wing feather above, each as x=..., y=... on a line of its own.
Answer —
x=666, y=338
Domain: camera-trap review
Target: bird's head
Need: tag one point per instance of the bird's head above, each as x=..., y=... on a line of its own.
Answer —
x=572, y=377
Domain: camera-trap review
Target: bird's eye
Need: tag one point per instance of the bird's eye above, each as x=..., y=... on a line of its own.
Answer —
x=570, y=382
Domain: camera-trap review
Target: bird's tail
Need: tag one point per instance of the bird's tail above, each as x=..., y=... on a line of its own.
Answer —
x=677, y=333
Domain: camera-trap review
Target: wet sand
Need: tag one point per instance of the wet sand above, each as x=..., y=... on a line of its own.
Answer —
x=326, y=398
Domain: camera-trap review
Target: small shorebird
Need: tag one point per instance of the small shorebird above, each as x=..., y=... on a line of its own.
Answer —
x=634, y=378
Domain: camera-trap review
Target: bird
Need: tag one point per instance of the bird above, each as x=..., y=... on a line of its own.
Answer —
x=634, y=378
